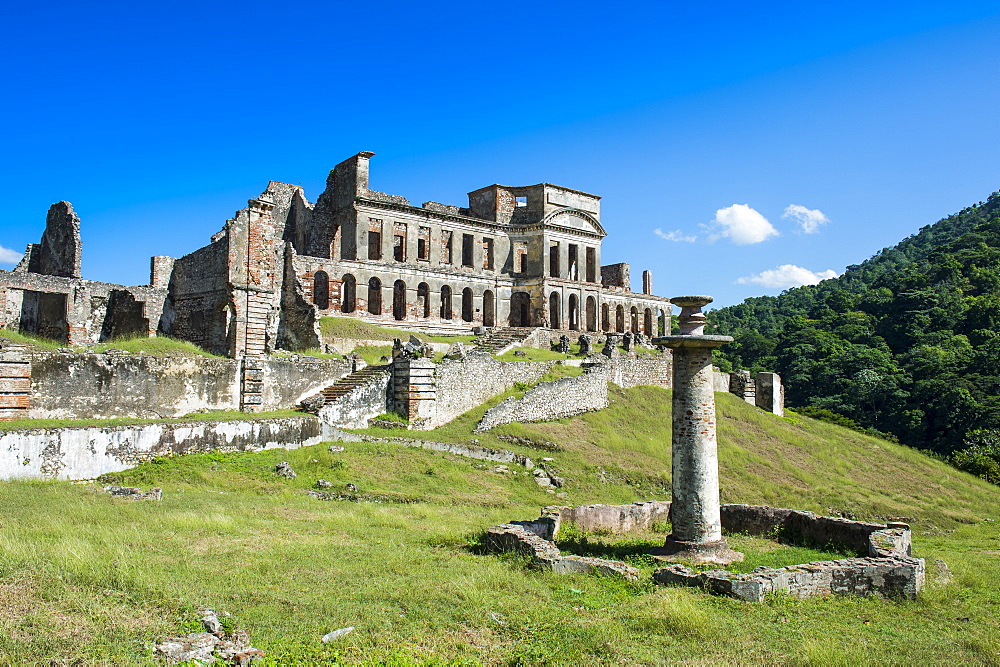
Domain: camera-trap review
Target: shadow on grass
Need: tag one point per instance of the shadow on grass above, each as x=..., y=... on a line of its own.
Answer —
x=633, y=552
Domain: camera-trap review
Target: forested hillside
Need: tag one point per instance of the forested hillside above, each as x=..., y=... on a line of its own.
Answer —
x=906, y=342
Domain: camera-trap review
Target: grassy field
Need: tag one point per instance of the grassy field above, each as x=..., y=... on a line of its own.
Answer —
x=84, y=576
x=349, y=327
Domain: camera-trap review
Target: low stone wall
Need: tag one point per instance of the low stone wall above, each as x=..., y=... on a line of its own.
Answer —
x=465, y=384
x=612, y=518
x=858, y=536
x=645, y=369
x=564, y=397
x=512, y=537
x=887, y=577
x=85, y=453
x=888, y=570
x=468, y=451
x=354, y=409
x=101, y=386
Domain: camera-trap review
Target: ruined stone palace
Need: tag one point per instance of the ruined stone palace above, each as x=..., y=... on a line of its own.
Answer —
x=516, y=256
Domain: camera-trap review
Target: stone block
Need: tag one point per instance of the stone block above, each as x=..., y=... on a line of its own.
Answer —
x=770, y=394
x=599, y=566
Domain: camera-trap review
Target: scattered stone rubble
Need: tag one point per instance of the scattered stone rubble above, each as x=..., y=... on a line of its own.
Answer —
x=210, y=646
x=888, y=570
x=285, y=470
x=134, y=493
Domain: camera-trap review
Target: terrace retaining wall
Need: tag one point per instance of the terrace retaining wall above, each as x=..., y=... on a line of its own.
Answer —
x=85, y=453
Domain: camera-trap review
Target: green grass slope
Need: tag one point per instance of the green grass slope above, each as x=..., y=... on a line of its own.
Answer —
x=84, y=576
x=350, y=327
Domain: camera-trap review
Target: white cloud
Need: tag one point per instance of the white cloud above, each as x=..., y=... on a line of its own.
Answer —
x=808, y=219
x=675, y=235
x=786, y=275
x=742, y=225
x=8, y=256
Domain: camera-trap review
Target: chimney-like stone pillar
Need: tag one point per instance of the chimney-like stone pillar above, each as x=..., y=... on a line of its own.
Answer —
x=695, y=515
x=647, y=282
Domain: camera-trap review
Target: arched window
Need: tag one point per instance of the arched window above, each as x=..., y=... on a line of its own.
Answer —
x=662, y=327
x=321, y=290
x=399, y=300
x=620, y=318
x=574, y=312
x=634, y=319
x=591, y=314
x=424, y=300
x=467, y=305
x=555, y=318
x=489, y=309
x=348, y=294
x=445, y=303
x=605, y=317
x=647, y=323
x=375, y=296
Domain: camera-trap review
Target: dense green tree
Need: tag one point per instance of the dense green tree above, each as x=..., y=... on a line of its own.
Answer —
x=908, y=342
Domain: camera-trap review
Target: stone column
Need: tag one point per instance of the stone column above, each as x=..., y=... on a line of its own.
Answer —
x=694, y=510
x=414, y=391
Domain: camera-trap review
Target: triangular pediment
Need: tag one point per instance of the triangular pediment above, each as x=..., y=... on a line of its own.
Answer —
x=574, y=218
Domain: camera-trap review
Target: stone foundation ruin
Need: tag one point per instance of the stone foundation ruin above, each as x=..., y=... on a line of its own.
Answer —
x=884, y=565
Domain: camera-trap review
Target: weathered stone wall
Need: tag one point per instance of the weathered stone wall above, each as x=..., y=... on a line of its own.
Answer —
x=611, y=518
x=564, y=397
x=616, y=276
x=463, y=385
x=721, y=381
x=354, y=409
x=89, y=385
x=743, y=385
x=85, y=453
x=58, y=254
x=647, y=369
x=76, y=311
x=770, y=393
x=892, y=577
x=810, y=527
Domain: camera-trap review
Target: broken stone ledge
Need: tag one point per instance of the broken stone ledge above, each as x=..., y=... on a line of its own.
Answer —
x=468, y=451
x=513, y=537
x=894, y=576
x=888, y=570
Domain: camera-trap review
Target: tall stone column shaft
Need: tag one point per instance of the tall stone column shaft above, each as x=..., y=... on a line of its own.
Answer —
x=695, y=515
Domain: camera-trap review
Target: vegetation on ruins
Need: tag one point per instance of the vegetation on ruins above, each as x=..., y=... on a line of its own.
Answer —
x=85, y=576
x=351, y=327
x=205, y=416
x=906, y=343
x=159, y=346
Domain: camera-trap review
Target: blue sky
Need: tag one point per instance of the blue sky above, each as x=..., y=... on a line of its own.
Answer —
x=738, y=146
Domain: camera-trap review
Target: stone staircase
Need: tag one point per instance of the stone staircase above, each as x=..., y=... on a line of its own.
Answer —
x=349, y=383
x=501, y=340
